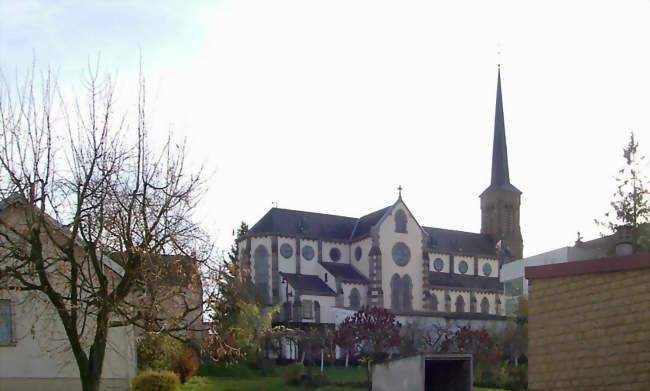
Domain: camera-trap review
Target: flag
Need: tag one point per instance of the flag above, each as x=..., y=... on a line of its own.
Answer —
x=499, y=246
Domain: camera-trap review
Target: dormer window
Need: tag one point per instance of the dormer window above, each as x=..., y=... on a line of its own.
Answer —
x=400, y=221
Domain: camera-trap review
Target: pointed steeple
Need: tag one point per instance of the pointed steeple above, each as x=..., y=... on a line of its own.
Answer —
x=500, y=173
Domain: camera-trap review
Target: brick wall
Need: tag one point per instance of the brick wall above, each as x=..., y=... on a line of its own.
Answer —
x=590, y=332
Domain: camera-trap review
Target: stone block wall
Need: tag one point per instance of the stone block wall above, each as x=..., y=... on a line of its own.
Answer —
x=590, y=332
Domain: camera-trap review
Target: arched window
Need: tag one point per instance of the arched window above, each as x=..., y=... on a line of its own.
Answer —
x=472, y=303
x=447, y=302
x=433, y=302
x=407, y=295
x=460, y=304
x=498, y=309
x=400, y=221
x=395, y=293
x=355, y=298
x=316, y=312
x=485, y=306
x=297, y=311
x=261, y=257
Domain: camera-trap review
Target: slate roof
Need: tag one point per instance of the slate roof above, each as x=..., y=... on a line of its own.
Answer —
x=304, y=224
x=459, y=241
x=463, y=281
x=365, y=223
x=345, y=272
x=308, y=284
x=500, y=173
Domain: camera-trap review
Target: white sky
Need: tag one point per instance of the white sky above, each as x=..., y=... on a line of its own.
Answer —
x=328, y=106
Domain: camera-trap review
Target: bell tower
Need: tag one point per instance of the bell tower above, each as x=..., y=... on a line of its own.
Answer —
x=501, y=201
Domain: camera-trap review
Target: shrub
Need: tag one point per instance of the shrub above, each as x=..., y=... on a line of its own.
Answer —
x=159, y=352
x=293, y=373
x=266, y=366
x=187, y=365
x=155, y=381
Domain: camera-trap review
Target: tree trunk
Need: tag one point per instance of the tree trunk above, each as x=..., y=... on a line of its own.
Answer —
x=321, y=361
x=347, y=357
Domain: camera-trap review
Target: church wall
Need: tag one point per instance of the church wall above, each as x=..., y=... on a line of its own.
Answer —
x=413, y=239
x=454, y=296
x=362, y=265
x=287, y=265
x=445, y=260
x=309, y=266
x=327, y=246
x=494, y=264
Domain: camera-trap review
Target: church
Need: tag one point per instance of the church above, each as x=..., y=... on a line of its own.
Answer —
x=321, y=267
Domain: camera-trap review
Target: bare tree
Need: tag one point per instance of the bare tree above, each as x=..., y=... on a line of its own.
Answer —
x=93, y=217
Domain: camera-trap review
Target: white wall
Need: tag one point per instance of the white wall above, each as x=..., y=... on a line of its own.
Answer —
x=326, y=304
x=309, y=266
x=287, y=265
x=413, y=239
x=445, y=259
x=344, y=248
x=470, y=264
x=42, y=348
x=347, y=288
x=494, y=264
x=362, y=265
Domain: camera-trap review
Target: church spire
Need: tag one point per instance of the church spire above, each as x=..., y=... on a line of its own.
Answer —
x=501, y=201
x=500, y=173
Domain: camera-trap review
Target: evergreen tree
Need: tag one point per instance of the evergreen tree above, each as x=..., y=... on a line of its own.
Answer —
x=630, y=204
x=233, y=254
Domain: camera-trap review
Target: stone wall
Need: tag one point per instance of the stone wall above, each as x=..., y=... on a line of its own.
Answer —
x=590, y=331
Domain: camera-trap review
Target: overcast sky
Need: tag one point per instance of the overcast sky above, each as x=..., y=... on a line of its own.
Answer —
x=328, y=106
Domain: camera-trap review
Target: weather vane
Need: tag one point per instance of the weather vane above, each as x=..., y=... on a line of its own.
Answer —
x=399, y=188
x=499, y=49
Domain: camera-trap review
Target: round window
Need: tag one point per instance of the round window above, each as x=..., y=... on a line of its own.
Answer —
x=335, y=254
x=357, y=253
x=487, y=269
x=462, y=267
x=308, y=253
x=438, y=264
x=401, y=254
x=286, y=250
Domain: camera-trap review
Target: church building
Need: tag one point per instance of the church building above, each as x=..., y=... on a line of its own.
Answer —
x=322, y=267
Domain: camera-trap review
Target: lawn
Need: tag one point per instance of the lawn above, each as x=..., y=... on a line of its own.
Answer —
x=245, y=378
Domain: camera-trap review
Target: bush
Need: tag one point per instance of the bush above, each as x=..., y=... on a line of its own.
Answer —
x=155, y=381
x=159, y=352
x=266, y=366
x=187, y=365
x=293, y=373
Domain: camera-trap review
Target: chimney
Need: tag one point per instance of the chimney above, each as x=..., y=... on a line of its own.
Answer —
x=624, y=240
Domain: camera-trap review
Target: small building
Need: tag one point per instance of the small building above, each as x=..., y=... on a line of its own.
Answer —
x=589, y=324
x=420, y=372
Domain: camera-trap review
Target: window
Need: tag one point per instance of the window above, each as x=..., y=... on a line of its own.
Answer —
x=401, y=254
x=308, y=253
x=400, y=221
x=307, y=310
x=394, y=293
x=407, y=296
x=355, y=298
x=487, y=269
x=297, y=311
x=433, y=302
x=485, y=306
x=357, y=253
x=462, y=267
x=401, y=293
x=335, y=254
x=460, y=304
x=316, y=312
x=472, y=303
x=6, y=323
x=438, y=264
x=286, y=250
x=447, y=302
x=261, y=256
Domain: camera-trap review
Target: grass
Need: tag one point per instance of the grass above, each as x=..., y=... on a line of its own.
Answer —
x=244, y=377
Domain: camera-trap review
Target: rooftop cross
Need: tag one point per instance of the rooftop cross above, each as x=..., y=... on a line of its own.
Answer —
x=399, y=188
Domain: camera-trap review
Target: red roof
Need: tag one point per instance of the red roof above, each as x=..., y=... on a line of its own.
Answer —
x=600, y=265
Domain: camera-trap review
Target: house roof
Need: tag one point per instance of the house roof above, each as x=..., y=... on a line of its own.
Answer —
x=308, y=284
x=345, y=272
x=365, y=223
x=464, y=282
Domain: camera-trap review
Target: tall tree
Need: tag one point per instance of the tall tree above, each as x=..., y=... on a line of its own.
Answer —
x=630, y=206
x=233, y=254
x=94, y=206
